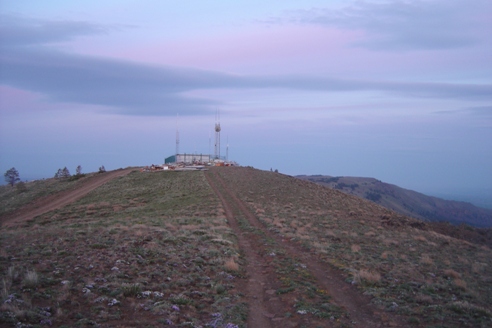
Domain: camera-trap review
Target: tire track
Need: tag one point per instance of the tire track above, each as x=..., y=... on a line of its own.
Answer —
x=361, y=312
x=258, y=310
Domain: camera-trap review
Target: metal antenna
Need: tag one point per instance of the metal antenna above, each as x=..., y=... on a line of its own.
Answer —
x=217, y=135
x=177, y=138
x=227, y=149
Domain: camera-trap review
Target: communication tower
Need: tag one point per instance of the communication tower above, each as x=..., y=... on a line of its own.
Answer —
x=217, y=135
x=177, y=138
x=227, y=149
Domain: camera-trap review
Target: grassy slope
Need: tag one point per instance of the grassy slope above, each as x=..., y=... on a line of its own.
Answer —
x=408, y=202
x=155, y=244
x=431, y=278
x=151, y=233
x=11, y=198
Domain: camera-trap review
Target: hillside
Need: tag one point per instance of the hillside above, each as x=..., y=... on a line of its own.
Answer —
x=231, y=247
x=407, y=202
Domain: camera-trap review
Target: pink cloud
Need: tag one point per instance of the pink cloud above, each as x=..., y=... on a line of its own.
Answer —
x=12, y=99
x=293, y=49
x=258, y=50
x=262, y=50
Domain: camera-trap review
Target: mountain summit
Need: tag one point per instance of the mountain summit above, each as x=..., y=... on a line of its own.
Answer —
x=230, y=247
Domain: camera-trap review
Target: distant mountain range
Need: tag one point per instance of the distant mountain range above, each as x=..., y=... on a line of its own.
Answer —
x=406, y=201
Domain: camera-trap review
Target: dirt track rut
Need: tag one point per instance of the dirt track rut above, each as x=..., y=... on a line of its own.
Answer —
x=359, y=310
x=60, y=199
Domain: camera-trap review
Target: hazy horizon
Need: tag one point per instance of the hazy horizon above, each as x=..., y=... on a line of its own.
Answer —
x=480, y=198
x=396, y=90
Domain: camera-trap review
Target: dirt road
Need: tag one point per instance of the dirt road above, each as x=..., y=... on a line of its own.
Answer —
x=271, y=304
x=268, y=311
x=60, y=199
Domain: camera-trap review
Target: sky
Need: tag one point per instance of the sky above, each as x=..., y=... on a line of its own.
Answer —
x=396, y=90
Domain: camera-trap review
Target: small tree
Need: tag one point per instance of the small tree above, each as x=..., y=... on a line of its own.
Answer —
x=62, y=174
x=78, y=170
x=65, y=173
x=12, y=176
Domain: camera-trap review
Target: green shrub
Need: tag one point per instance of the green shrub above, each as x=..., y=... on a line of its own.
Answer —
x=131, y=290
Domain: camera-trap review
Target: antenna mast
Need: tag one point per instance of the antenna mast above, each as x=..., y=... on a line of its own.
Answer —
x=177, y=139
x=227, y=149
x=217, y=135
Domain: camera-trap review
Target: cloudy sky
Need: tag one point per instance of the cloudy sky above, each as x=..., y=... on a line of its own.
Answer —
x=396, y=90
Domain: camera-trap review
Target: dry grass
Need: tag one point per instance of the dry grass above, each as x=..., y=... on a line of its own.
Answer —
x=425, y=299
x=460, y=284
x=355, y=248
x=367, y=277
x=330, y=233
x=231, y=265
x=31, y=279
x=420, y=274
x=478, y=267
x=426, y=259
x=385, y=255
x=451, y=273
x=420, y=238
x=390, y=242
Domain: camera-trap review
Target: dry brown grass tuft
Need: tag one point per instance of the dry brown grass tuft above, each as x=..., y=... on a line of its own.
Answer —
x=478, y=267
x=192, y=227
x=389, y=242
x=330, y=233
x=278, y=222
x=365, y=276
x=355, y=248
x=451, y=273
x=460, y=284
x=231, y=264
x=384, y=255
x=425, y=299
x=320, y=247
x=425, y=259
x=171, y=227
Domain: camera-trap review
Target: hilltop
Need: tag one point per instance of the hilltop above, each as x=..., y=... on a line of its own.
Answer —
x=229, y=247
x=407, y=202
